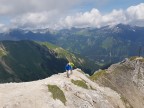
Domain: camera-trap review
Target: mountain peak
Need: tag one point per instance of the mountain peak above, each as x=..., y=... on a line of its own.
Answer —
x=76, y=91
x=127, y=78
x=121, y=85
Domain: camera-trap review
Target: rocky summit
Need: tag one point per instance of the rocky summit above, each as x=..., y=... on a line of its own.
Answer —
x=120, y=86
x=127, y=79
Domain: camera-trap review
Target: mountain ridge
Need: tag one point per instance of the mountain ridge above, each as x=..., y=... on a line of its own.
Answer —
x=126, y=78
x=36, y=94
x=29, y=60
x=106, y=45
x=116, y=87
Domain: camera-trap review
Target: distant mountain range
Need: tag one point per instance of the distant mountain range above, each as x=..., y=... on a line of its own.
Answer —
x=29, y=60
x=104, y=45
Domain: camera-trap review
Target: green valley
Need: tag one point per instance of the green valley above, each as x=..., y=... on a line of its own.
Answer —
x=29, y=60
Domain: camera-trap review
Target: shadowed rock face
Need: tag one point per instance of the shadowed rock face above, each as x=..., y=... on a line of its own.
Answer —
x=126, y=78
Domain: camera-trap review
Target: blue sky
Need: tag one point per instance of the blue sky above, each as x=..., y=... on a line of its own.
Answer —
x=69, y=13
x=120, y=4
x=107, y=5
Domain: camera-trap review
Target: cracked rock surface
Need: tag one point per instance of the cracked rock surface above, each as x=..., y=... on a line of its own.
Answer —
x=35, y=94
x=122, y=86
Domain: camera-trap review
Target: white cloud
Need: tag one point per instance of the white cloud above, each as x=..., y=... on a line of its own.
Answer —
x=35, y=20
x=3, y=28
x=135, y=15
x=82, y=19
x=115, y=17
x=94, y=18
x=50, y=13
x=35, y=13
x=136, y=12
x=4, y=10
x=17, y=7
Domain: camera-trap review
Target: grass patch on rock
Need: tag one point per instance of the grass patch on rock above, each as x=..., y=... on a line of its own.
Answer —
x=133, y=58
x=98, y=74
x=80, y=83
x=57, y=93
x=2, y=52
x=141, y=59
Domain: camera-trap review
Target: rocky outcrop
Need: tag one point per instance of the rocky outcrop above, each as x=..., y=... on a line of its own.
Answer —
x=58, y=91
x=120, y=86
x=127, y=79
